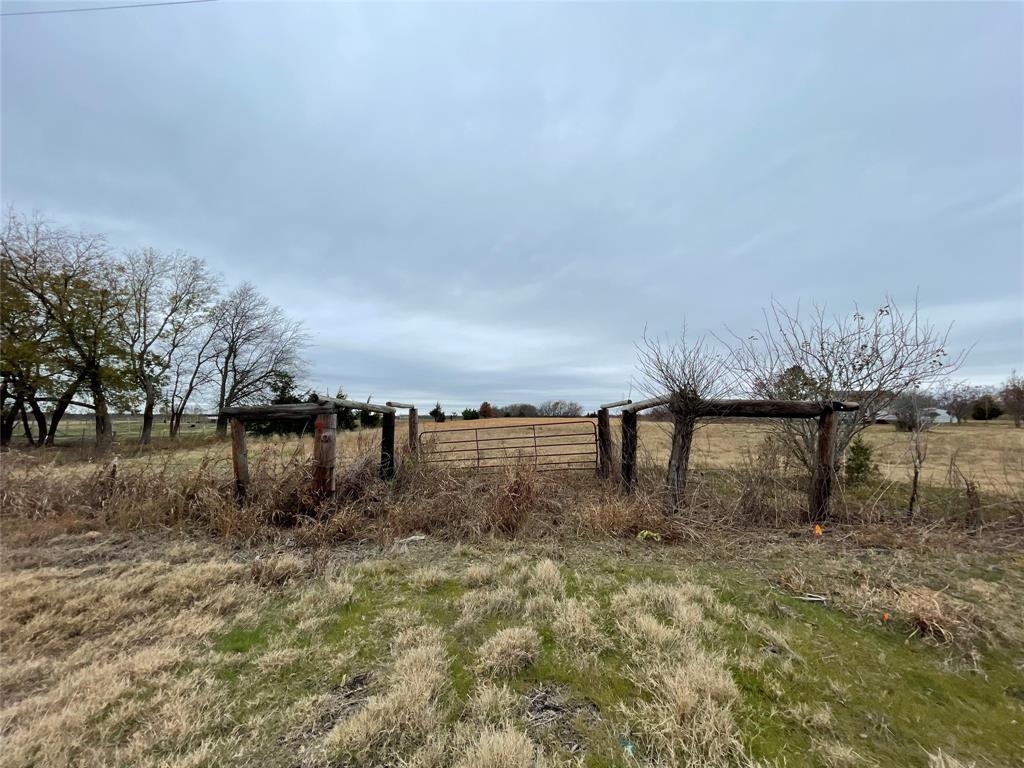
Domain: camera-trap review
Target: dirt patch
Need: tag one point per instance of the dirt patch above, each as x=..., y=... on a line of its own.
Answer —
x=553, y=716
x=339, y=703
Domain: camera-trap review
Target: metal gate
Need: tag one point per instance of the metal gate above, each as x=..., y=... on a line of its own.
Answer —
x=546, y=445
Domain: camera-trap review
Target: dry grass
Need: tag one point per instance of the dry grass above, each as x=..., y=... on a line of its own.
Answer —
x=688, y=716
x=576, y=628
x=993, y=450
x=85, y=633
x=158, y=650
x=546, y=578
x=428, y=577
x=193, y=488
x=503, y=747
x=509, y=651
x=941, y=760
x=478, y=575
x=401, y=717
x=921, y=604
x=487, y=602
x=125, y=643
x=494, y=705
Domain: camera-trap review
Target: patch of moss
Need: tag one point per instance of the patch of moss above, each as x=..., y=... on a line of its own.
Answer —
x=241, y=640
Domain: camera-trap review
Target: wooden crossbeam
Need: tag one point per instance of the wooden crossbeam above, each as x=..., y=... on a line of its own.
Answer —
x=355, y=405
x=264, y=412
x=774, y=409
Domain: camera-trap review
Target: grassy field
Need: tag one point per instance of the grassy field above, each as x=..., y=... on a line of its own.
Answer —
x=72, y=432
x=152, y=649
x=992, y=451
x=515, y=619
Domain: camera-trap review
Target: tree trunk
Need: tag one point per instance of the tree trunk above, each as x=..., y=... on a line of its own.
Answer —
x=60, y=407
x=40, y=418
x=104, y=425
x=824, y=475
x=147, y=415
x=8, y=421
x=175, y=424
x=914, y=502
x=26, y=426
x=679, y=460
x=222, y=401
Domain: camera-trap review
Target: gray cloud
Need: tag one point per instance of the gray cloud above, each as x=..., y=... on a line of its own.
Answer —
x=493, y=201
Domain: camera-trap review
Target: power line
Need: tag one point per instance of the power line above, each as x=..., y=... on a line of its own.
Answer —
x=104, y=8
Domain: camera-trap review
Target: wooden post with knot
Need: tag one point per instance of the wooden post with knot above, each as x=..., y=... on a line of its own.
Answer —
x=325, y=435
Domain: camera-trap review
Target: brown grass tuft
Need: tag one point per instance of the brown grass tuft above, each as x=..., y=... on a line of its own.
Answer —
x=546, y=579
x=277, y=570
x=575, y=627
x=509, y=651
x=483, y=603
x=503, y=747
x=494, y=705
x=400, y=718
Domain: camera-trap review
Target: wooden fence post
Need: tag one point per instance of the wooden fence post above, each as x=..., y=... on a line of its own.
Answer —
x=387, y=447
x=414, y=430
x=824, y=468
x=604, y=444
x=324, y=444
x=239, y=458
x=629, y=435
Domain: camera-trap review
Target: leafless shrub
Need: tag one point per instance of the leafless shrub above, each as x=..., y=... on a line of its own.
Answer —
x=690, y=373
x=764, y=497
x=965, y=481
x=516, y=496
x=869, y=357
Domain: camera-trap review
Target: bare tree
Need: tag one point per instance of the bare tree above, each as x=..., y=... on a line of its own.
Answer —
x=192, y=370
x=565, y=408
x=957, y=398
x=915, y=415
x=690, y=373
x=166, y=295
x=254, y=342
x=868, y=357
x=1013, y=398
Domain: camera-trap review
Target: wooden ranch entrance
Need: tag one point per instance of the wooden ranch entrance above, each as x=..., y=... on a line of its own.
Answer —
x=546, y=445
x=825, y=412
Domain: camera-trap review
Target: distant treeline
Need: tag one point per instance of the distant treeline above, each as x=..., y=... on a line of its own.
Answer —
x=547, y=409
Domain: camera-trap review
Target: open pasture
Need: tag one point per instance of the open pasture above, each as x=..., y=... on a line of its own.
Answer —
x=163, y=649
x=499, y=619
x=992, y=452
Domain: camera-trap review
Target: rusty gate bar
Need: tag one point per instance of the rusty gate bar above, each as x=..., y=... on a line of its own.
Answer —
x=490, y=450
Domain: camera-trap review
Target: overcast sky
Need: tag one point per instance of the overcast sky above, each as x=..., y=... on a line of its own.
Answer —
x=468, y=202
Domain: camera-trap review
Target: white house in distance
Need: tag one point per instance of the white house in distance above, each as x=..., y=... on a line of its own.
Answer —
x=932, y=415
